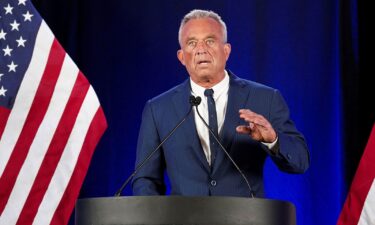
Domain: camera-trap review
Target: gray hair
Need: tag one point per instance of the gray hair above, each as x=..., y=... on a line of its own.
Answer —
x=200, y=14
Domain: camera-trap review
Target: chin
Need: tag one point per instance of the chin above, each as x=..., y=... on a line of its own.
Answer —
x=205, y=77
x=204, y=72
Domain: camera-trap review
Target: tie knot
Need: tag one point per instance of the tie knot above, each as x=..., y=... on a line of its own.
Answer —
x=208, y=92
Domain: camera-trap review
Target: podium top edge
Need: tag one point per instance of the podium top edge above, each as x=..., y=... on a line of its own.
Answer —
x=179, y=197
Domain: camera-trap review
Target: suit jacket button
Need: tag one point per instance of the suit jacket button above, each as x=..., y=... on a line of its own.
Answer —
x=213, y=183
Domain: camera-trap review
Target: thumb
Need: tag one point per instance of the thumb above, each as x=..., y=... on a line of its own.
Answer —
x=243, y=129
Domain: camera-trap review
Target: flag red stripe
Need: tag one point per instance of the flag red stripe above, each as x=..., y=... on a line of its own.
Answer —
x=66, y=205
x=361, y=185
x=55, y=151
x=32, y=123
x=4, y=114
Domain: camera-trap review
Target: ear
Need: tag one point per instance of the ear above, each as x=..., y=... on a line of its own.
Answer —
x=227, y=49
x=180, y=56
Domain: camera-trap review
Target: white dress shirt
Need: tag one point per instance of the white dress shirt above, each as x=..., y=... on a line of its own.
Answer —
x=221, y=99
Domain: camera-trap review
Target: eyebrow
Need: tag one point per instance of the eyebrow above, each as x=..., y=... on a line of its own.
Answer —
x=189, y=39
x=208, y=37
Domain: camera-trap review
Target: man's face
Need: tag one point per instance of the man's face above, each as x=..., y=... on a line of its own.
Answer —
x=203, y=51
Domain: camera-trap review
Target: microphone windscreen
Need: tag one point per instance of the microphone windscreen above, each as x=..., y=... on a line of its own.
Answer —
x=194, y=101
x=198, y=100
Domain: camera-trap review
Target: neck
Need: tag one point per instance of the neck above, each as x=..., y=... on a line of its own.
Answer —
x=209, y=81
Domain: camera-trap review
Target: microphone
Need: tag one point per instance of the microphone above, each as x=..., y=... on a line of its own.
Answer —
x=198, y=99
x=193, y=102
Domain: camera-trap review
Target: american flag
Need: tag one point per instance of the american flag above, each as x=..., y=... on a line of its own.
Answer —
x=359, y=207
x=50, y=121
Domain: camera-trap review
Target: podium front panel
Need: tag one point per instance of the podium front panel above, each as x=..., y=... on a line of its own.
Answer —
x=179, y=210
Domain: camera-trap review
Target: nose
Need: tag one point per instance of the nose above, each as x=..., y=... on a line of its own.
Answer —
x=201, y=48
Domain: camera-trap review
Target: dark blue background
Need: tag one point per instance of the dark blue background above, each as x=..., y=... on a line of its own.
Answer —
x=309, y=50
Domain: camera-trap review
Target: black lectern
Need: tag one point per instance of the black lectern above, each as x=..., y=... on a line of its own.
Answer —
x=178, y=210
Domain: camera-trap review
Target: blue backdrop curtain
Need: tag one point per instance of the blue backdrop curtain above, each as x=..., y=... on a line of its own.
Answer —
x=309, y=50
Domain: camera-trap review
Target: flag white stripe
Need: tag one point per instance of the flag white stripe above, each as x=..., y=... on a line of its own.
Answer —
x=25, y=94
x=368, y=211
x=41, y=142
x=68, y=160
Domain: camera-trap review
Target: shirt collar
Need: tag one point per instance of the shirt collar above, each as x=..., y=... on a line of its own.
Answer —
x=219, y=88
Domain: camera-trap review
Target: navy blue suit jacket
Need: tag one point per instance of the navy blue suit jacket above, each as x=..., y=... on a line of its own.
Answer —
x=182, y=156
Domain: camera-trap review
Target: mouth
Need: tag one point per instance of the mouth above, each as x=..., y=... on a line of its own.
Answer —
x=203, y=62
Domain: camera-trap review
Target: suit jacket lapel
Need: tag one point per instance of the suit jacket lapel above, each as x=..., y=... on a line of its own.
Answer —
x=237, y=97
x=191, y=139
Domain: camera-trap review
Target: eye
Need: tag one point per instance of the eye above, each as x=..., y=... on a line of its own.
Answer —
x=210, y=41
x=192, y=43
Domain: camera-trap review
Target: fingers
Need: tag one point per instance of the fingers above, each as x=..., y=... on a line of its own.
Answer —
x=243, y=129
x=251, y=131
x=259, y=128
x=252, y=117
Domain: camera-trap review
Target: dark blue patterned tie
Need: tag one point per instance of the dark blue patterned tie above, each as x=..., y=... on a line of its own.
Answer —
x=212, y=121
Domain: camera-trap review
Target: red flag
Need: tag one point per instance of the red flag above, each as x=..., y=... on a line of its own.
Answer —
x=50, y=121
x=359, y=207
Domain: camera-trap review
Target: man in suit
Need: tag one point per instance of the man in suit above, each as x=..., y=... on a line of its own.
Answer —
x=251, y=121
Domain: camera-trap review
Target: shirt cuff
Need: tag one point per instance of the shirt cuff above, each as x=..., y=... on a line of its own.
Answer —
x=271, y=145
